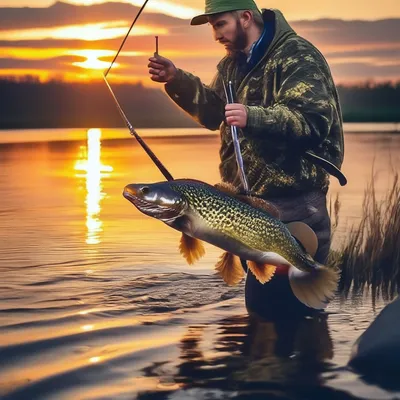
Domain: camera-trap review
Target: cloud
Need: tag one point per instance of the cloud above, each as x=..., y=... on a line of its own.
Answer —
x=390, y=52
x=337, y=32
x=50, y=63
x=60, y=14
x=358, y=49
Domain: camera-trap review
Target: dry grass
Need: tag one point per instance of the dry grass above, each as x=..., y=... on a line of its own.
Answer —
x=370, y=256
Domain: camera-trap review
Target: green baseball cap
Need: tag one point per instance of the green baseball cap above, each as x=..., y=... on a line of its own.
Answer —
x=223, y=6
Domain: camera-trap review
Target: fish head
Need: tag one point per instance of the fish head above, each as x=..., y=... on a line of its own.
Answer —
x=157, y=200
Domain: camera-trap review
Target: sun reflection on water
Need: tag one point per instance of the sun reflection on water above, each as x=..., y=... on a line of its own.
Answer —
x=90, y=162
x=87, y=327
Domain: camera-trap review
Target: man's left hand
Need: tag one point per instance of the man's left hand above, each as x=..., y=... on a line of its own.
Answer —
x=236, y=115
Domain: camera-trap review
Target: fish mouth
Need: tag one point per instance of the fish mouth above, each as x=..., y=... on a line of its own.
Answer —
x=131, y=193
x=136, y=200
x=149, y=203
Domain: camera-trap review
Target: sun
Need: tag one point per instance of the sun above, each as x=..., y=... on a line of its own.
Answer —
x=92, y=59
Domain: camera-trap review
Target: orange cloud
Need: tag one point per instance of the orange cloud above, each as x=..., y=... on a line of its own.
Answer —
x=80, y=47
x=156, y=6
x=88, y=32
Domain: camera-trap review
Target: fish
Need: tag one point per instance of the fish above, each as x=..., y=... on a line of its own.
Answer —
x=244, y=227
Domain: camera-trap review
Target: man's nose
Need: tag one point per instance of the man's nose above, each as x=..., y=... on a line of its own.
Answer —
x=217, y=36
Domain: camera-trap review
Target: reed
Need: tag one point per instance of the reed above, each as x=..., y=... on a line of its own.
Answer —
x=369, y=258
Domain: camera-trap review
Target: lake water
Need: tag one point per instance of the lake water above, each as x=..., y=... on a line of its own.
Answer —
x=97, y=303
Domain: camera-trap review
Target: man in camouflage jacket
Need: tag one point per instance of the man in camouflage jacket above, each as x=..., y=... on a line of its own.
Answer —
x=286, y=104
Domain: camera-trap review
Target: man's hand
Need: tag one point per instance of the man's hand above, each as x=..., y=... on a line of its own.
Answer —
x=236, y=115
x=161, y=69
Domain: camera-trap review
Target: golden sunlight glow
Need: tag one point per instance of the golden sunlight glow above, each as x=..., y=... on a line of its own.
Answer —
x=92, y=59
x=43, y=54
x=166, y=7
x=88, y=2
x=32, y=53
x=92, y=65
x=85, y=312
x=91, y=164
x=89, y=32
x=87, y=327
x=94, y=359
x=170, y=8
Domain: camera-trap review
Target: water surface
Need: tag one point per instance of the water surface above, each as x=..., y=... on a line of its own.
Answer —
x=98, y=303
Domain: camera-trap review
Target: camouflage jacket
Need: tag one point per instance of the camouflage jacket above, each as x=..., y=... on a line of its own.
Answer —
x=292, y=106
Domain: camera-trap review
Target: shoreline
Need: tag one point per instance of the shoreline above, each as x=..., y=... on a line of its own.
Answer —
x=15, y=136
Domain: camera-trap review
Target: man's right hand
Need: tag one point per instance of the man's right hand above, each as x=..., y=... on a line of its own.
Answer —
x=161, y=69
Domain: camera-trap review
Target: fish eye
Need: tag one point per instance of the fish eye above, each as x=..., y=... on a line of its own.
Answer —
x=145, y=190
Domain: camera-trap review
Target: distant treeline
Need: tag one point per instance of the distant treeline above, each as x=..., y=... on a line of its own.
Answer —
x=28, y=103
x=369, y=102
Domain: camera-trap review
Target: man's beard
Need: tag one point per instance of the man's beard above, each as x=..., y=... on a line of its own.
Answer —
x=240, y=42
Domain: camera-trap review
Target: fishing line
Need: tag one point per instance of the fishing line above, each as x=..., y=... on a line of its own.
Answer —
x=146, y=148
x=126, y=36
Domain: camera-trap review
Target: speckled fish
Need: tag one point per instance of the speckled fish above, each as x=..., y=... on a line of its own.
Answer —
x=239, y=225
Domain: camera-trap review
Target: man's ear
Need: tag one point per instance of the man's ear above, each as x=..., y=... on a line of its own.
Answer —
x=247, y=19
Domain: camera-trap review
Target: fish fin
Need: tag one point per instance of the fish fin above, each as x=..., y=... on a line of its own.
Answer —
x=316, y=288
x=230, y=268
x=305, y=235
x=192, y=249
x=262, y=272
x=227, y=188
x=262, y=204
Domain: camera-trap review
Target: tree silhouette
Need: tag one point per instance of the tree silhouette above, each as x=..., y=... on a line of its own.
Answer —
x=28, y=103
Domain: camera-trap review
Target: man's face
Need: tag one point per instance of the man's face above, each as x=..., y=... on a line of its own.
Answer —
x=228, y=30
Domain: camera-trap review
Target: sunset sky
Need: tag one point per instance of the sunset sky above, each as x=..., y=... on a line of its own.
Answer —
x=77, y=40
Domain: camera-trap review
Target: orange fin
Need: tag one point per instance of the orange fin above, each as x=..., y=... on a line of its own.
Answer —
x=263, y=272
x=261, y=203
x=192, y=249
x=227, y=188
x=230, y=269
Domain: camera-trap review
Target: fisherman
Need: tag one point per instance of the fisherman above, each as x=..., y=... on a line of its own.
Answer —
x=286, y=105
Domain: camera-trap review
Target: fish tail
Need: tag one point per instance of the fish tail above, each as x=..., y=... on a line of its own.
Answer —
x=316, y=288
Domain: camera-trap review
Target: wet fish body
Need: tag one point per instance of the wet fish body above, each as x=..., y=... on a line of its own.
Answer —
x=206, y=213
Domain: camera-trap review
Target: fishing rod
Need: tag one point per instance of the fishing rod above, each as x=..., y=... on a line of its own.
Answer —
x=146, y=148
x=126, y=36
x=230, y=99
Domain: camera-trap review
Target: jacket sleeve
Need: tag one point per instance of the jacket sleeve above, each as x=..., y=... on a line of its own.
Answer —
x=202, y=102
x=304, y=107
